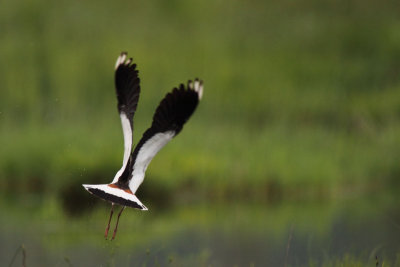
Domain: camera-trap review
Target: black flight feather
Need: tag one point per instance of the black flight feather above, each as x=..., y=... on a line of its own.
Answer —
x=127, y=85
x=171, y=114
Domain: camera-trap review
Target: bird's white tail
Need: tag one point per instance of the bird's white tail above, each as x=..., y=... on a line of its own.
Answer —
x=114, y=194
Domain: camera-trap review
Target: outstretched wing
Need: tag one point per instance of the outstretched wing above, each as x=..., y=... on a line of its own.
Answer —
x=127, y=86
x=171, y=114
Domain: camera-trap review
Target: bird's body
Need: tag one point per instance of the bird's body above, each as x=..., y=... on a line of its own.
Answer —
x=168, y=120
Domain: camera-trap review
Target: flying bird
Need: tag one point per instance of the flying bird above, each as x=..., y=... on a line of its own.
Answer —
x=170, y=116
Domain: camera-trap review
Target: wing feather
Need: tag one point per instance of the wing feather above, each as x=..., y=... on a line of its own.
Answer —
x=127, y=87
x=170, y=116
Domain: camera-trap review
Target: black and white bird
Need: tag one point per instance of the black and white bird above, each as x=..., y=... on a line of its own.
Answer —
x=171, y=114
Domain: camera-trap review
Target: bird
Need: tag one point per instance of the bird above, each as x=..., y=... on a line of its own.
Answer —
x=168, y=120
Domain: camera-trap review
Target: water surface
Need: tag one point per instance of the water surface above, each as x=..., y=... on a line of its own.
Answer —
x=226, y=234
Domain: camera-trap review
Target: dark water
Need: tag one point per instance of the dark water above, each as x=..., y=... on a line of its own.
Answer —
x=222, y=235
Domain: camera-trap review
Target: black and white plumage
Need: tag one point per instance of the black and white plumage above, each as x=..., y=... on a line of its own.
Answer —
x=170, y=116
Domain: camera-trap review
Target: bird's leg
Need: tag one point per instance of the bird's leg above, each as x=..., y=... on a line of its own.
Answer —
x=116, y=226
x=109, y=220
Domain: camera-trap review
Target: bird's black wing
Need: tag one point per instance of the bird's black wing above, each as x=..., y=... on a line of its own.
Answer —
x=127, y=87
x=171, y=114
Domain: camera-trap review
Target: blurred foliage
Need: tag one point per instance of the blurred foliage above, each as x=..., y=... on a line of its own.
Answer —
x=322, y=234
x=301, y=98
x=301, y=105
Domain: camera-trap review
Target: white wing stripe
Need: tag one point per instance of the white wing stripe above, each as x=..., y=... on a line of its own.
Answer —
x=145, y=155
x=127, y=131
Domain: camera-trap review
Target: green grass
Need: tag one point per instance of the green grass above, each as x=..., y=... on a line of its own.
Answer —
x=352, y=261
x=300, y=119
x=301, y=99
x=237, y=225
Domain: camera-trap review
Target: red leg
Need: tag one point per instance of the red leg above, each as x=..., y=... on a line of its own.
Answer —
x=109, y=220
x=116, y=226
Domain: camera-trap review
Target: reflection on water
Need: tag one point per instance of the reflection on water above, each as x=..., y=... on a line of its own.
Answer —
x=221, y=235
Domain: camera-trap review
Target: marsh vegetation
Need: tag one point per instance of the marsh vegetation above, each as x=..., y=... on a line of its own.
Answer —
x=297, y=137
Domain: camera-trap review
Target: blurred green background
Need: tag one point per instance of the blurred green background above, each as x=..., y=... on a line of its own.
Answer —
x=298, y=131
